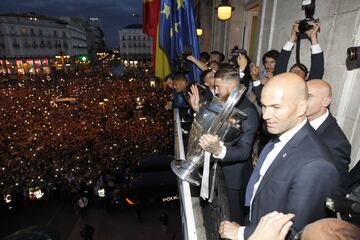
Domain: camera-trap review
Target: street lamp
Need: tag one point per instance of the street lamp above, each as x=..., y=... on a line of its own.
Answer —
x=224, y=10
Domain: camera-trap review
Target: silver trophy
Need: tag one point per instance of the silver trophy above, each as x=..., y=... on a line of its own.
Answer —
x=215, y=118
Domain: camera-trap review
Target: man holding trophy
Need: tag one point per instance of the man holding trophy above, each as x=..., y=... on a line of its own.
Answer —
x=233, y=155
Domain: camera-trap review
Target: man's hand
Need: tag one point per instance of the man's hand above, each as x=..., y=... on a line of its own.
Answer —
x=190, y=58
x=168, y=105
x=194, y=98
x=242, y=62
x=312, y=33
x=268, y=75
x=254, y=72
x=273, y=226
x=294, y=31
x=210, y=143
x=229, y=230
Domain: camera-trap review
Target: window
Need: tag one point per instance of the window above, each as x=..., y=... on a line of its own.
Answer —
x=16, y=44
x=34, y=44
x=49, y=44
x=42, y=44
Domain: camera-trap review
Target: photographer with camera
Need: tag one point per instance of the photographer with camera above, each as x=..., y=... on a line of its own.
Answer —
x=310, y=29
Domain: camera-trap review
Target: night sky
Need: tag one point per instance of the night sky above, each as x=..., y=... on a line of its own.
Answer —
x=114, y=14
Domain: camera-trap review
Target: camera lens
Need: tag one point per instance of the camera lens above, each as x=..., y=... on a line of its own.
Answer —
x=352, y=53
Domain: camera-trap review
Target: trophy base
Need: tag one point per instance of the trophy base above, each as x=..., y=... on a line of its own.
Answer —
x=185, y=171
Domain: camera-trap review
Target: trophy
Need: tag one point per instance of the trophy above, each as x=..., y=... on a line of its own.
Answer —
x=215, y=118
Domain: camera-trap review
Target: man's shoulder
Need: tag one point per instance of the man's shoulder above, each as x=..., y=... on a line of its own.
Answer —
x=307, y=144
x=245, y=105
x=331, y=133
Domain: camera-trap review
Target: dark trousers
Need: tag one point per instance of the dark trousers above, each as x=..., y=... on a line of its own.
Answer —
x=236, y=205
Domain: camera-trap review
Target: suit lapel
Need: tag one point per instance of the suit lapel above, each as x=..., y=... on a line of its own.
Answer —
x=284, y=154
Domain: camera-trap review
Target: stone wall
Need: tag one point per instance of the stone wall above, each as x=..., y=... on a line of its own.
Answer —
x=340, y=29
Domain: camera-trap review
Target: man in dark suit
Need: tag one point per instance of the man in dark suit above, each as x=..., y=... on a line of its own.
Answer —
x=317, y=55
x=296, y=174
x=328, y=130
x=234, y=156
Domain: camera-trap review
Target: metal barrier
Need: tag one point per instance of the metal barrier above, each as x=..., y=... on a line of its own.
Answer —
x=191, y=217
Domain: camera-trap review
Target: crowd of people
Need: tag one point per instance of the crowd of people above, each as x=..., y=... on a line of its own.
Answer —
x=85, y=132
x=303, y=155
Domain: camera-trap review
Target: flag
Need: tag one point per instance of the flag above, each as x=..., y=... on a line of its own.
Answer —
x=151, y=11
x=177, y=31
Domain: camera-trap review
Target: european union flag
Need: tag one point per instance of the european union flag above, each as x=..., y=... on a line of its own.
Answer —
x=177, y=30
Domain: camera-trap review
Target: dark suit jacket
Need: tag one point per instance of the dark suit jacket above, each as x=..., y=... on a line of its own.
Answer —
x=334, y=138
x=298, y=181
x=236, y=164
x=316, y=69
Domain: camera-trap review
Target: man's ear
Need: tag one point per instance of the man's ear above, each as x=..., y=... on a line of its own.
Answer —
x=302, y=108
x=326, y=102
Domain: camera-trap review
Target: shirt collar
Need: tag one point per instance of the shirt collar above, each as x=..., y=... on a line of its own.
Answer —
x=318, y=121
x=286, y=136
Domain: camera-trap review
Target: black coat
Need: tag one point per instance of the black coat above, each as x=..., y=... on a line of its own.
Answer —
x=334, y=138
x=298, y=181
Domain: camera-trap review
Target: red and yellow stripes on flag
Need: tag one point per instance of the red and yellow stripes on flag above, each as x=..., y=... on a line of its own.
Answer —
x=162, y=66
x=151, y=12
x=151, y=9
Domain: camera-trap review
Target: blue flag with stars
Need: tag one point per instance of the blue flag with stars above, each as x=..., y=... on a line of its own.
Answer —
x=177, y=31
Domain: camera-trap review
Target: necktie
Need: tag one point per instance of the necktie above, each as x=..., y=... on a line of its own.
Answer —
x=255, y=176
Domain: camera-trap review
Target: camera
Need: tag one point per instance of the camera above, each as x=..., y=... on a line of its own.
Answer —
x=309, y=7
x=353, y=58
x=180, y=65
x=304, y=25
x=235, y=52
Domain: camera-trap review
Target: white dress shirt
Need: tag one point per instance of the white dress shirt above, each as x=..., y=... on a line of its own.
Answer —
x=316, y=123
x=314, y=48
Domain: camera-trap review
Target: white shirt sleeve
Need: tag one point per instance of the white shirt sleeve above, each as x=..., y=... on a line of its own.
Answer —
x=241, y=74
x=315, y=49
x=256, y=83
x=222, y=153
x=241, y=233
x=288, y=46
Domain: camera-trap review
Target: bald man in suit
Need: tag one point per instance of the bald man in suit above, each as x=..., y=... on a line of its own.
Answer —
x=326, y=127
x=297, y=174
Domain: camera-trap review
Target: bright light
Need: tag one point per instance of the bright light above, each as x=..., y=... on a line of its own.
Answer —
x=224, y=12
x=7, y=198
x=199, y=32
x=128, y=201
x=101, y=192
x=38, y=194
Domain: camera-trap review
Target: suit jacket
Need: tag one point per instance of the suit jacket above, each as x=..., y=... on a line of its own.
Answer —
x=334, y=138
x=236, y=164
x=316, y=69
x=298, y=181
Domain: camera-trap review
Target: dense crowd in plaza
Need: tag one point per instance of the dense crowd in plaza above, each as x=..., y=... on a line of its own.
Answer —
x=95, y=140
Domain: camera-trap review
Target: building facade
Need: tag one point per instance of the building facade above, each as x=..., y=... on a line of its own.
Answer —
x=261, y=25
x=29, y=42
x=134, y=45
x=94, y=35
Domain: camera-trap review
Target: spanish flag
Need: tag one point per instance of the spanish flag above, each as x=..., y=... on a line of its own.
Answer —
x=151, y=12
